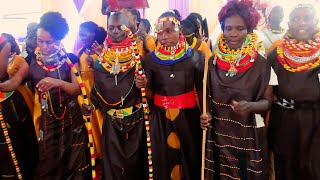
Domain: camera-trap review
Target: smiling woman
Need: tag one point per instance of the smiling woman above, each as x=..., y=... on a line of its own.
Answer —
x=295, y=115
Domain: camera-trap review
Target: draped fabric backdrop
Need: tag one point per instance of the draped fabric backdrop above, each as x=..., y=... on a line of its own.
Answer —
x=181, y=5
x=208, y=9
x=76, y=14
x=157, y=7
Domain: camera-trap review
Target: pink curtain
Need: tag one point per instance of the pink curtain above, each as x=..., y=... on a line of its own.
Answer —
x=181, y=5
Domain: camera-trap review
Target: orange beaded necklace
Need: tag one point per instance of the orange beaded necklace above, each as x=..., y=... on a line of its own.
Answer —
x=299, y=56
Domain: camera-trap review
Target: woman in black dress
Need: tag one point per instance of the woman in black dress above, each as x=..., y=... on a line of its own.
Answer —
x=294, y=130
x=16, y=107
x=63, y=138
x=173, y=71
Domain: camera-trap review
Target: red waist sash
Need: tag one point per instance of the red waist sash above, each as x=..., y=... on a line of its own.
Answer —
x=182, y=101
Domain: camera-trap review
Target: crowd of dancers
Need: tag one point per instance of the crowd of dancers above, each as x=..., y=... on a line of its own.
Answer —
x=130, y=105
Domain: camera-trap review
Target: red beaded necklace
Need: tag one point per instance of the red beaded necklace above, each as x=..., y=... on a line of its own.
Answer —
x=172, y=51
x=234, y=61
x=297, y=56
x=117, y=57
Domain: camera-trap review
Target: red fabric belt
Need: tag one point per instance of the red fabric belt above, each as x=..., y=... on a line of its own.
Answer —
x=182, y=101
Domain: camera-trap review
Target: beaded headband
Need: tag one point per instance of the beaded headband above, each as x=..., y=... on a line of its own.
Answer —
x=159, y=24
x=170, y=10
x=303, y=6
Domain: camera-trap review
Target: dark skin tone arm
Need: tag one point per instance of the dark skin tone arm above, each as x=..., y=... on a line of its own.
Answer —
x=205, y=118
x=72, y=88
x=243, y=107
x=4, y=55
x=14, y=82
x=258, y=107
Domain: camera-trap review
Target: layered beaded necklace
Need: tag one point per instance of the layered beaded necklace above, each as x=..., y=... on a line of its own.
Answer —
x=117, y=57
x=299, y=56
x=236, y=60
x=171, y=55
x=50, y=63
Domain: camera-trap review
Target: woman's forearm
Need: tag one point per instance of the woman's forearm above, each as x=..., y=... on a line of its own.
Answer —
x=70, y=88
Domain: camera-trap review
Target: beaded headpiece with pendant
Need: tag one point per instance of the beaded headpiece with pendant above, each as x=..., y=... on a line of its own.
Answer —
x=170, y=55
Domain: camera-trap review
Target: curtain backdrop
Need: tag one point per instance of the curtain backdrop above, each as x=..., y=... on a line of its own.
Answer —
x=76, y=14
x=181, y=6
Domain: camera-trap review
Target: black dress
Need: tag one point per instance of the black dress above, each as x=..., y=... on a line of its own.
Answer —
x=175, y=132
x=63, y=143
x=124, y=145
x=294, y=134
x=236, y=144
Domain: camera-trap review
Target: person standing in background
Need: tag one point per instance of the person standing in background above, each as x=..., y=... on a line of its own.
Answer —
x=30, y=43
x=90, y=33
x=146, y=42
x=273, y=30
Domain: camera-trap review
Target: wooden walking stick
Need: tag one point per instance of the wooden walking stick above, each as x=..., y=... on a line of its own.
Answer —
x=204, y=110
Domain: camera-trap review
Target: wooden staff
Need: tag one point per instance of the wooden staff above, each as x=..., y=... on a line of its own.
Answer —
x=204, y=110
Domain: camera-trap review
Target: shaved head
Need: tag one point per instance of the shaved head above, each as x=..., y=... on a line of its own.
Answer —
x=115, y=33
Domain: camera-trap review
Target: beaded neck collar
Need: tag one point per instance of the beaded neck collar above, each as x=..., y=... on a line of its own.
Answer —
x=117, y=57
x=236, y=60
x=171, y=55
x=299, y=56
x=52, y=62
